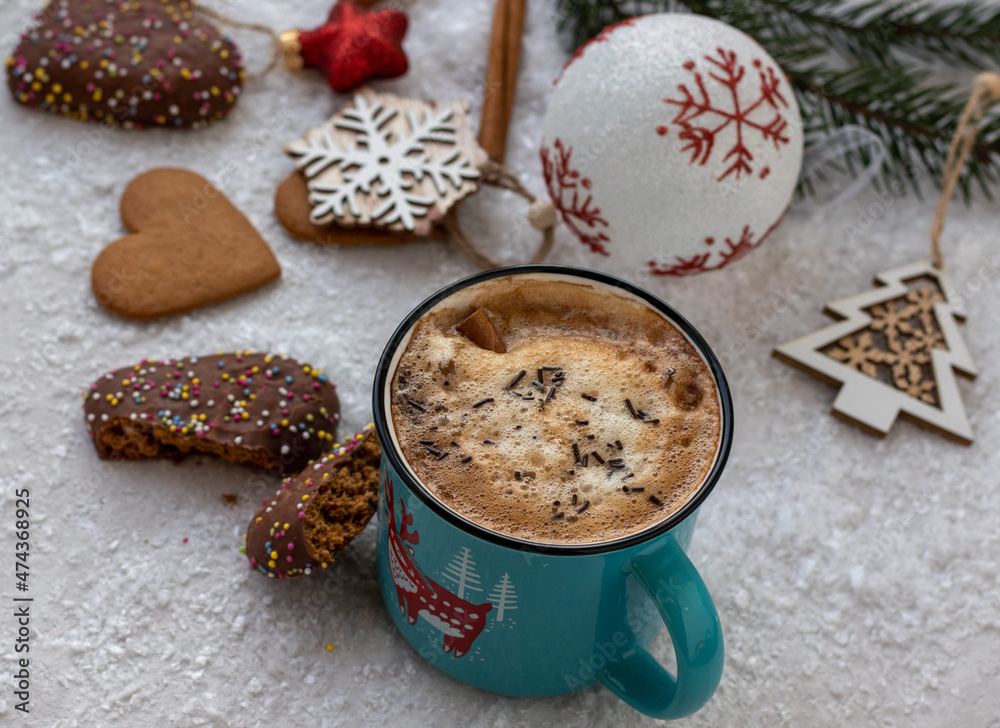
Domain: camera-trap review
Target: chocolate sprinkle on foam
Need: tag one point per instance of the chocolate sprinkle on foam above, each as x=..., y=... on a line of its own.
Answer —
x=515, y=380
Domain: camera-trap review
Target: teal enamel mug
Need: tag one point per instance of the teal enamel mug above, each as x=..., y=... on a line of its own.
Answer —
x=538, y=619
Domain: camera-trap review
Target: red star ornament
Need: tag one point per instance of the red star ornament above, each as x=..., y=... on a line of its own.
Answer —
x=352, y=47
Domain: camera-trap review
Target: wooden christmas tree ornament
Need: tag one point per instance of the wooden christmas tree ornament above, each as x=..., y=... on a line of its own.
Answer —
x=893, y=353
x=897, y=348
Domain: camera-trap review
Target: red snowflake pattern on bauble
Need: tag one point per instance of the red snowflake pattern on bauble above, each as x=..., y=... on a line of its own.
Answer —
x=704, y=117
x=672, y=145
x=459, y=621
x=732, y=250
x=570, y=193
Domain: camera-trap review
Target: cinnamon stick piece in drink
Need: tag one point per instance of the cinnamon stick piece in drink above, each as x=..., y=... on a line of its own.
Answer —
x=479, y=330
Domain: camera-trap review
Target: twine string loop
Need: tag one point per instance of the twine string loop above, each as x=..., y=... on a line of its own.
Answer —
x=497, y=175
x=985, y=91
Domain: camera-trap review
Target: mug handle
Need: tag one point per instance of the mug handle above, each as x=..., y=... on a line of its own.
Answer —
x=685, y=605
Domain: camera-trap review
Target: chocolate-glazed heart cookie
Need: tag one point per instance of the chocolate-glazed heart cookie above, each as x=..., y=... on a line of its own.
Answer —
x=315, y=514
x=269, y=411
x=129, y=63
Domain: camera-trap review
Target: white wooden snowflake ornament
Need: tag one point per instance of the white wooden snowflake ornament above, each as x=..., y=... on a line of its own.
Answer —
x=389, y=162
x=895, y=351
x=672, y=143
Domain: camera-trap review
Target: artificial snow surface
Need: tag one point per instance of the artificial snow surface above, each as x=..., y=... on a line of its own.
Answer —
x=856, y=579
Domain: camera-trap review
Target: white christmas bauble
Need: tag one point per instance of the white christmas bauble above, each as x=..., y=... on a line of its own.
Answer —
x=672, y=143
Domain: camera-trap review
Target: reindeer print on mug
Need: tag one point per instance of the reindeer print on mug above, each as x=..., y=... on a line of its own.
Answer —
x=459, y=620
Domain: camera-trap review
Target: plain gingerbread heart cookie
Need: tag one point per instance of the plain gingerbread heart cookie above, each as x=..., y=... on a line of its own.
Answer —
x=189, y=247
x=131, y=64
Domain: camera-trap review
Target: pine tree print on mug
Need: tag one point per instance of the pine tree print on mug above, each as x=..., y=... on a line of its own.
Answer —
x=462, y=572
x=419, y=596
x=503, y=596
x=672, y=146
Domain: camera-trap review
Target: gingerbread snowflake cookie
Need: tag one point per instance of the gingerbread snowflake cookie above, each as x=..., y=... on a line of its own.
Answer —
x=272, y=412
x=316, y=513
x=390, y=163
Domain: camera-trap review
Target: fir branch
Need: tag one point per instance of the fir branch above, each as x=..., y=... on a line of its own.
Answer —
x=914, y=119
x=967, y=32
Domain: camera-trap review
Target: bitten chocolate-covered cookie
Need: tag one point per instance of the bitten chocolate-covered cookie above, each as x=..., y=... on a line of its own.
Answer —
x=316, y=513
x=128, y=63
x=268, y=411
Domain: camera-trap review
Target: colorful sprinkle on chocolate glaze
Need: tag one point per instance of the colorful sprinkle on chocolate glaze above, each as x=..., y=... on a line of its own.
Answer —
x=316, y=513
x=269, y=411
x=128, y=63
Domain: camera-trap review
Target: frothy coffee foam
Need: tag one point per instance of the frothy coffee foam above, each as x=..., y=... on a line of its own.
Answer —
x=556, y=470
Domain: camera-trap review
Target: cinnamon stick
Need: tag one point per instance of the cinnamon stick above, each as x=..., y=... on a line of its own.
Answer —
x=480, y=331
x=501, y=76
